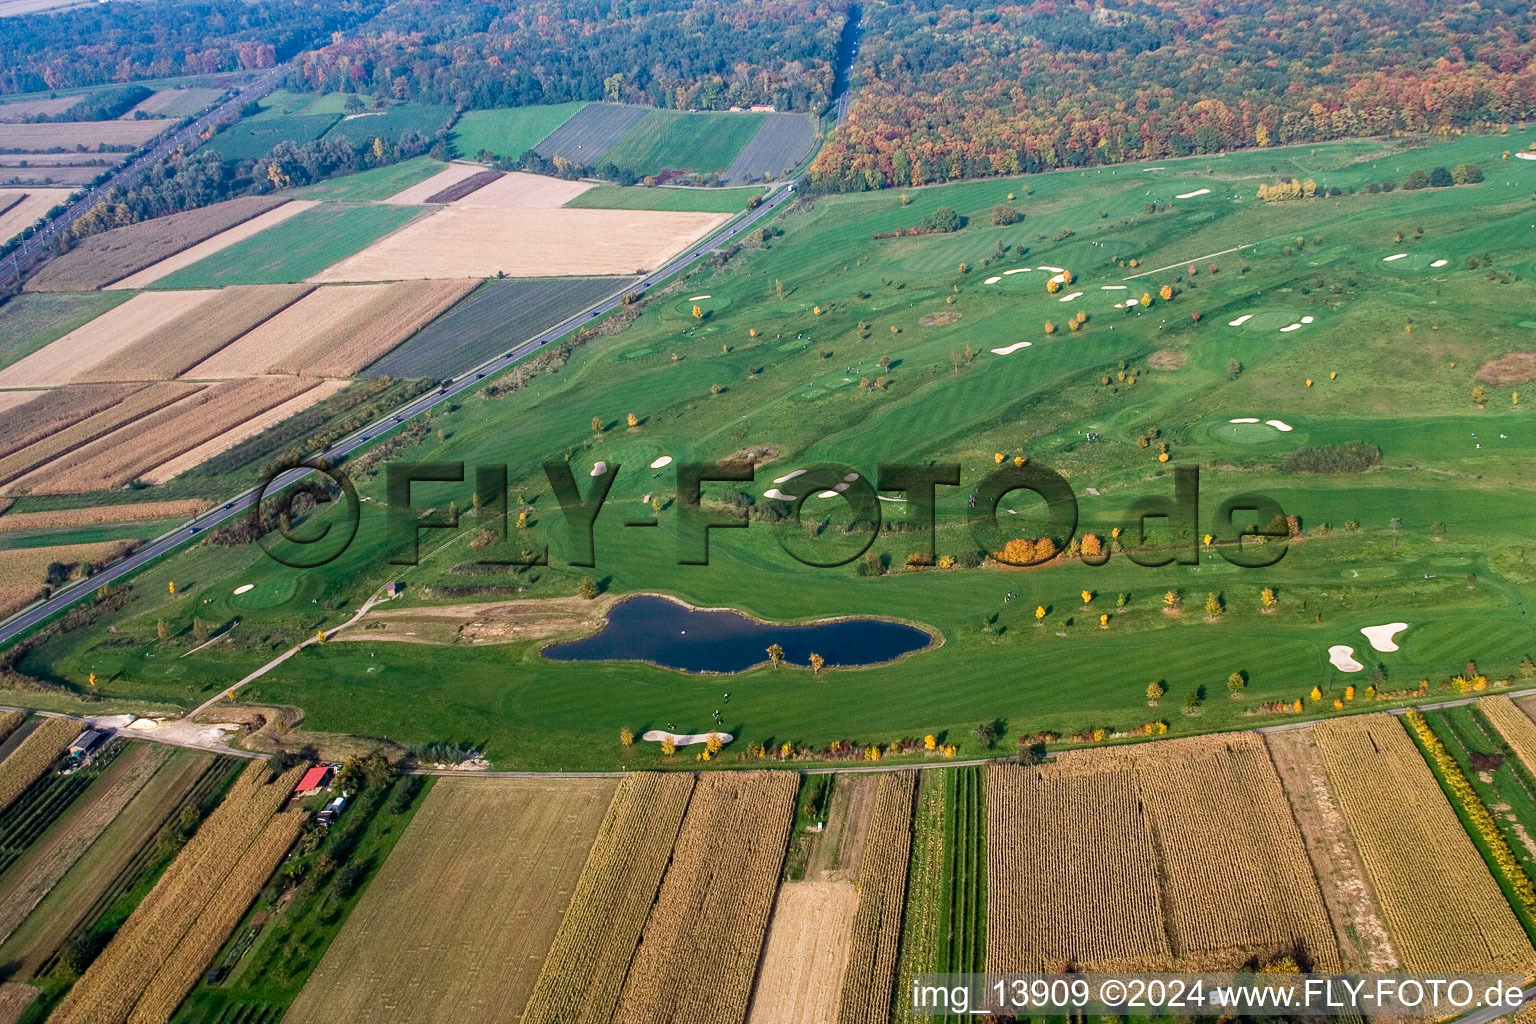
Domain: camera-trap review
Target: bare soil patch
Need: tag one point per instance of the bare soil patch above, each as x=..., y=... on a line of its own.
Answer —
x=483, y=241
x=1513, y=368
x=82, y=349
x=943, y=319
x=218, y=243
x=497, y=622
x=806, y=953
x=1167, y=359
x=521, y=190
x=444, y=181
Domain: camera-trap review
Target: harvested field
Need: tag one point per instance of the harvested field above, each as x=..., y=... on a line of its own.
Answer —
x=34, y=755
x=175, y=347
x=228, y=439
x=9, y=721
x=584, y=970
x=1460, y=920
x=84, y=348
x=174, y=103
x=60, y=177
x=31, y=320
x=118, y=404
x=499, y=315
x=459, y=918
x=882, y=884
x=520, y=190
x=1511, y=368
x=29, y=566
x=118, y=458
x=450, y=177
x=14, y=1000
x=463, y=188
x=484, y=241
x=584, y=138
x=638, y=197
x=14, y=598
x=132, y=979
x=1130, y=830
x=19, y=207
x=1514, y=727
x=69, y=518
x=218, y=243
x=70, y=134
x=780, y=144
x=32, y=877
x=699, y=952
x=805, y=956
x=10, y=400
x=112, y=255
x=72, y=899
x=49, y=412
x=20, y=110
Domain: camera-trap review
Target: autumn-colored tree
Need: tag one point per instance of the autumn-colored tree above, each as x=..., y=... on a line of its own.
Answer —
x=816, y=662
x=1066, y=277
x=1213, y=606
x=1104, y=620
x=668, y=746
x=1039, y=614
x=930, y=742
x=1087, y=598
x=626, y=737
x=632, y=420
x=1019, y=460
x=1091, y=547
x=698, y=311
x=713, y=743
x=1267, y=599
x=1349, y=693
x=1479, y=395
x=1316, y=694
x=1050, y=328
x=1155, y=693
x=1235, y=683
x=1019, y=551
x=1053, y=286
x=587, y=588
x=1165, y=292
x=1172, y=600
x=597, y=424
x=1146, y=298
x=775, y=655
x=162, y=630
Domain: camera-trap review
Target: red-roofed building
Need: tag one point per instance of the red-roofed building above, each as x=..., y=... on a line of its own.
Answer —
x=314, y=780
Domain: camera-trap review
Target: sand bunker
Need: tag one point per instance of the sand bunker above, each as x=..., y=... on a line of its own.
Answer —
x=1343, y=658
x=665, y=460
x=1191, y=195
x=1306, y=319
x=1060, y=278
x=696, y=298
x=1394, y=257
x=834, y=492
x=787, y=477
x=992, y=280
x=778, y=495
x=685, y=739
x=1240, y=320
x=1016, y=270
x=850, y=478
x=1439, y=263
x=245, y=587
x=1011, y=349
x=1056, y=270
x=1111, y=287
x=1245, y=419
x=1292, y=327
x=1280, y=425
x=1127, y=304
x=1381, y=636
x=884, y=498
x=1069, y=298
x=599, y=467
x=1525, y=156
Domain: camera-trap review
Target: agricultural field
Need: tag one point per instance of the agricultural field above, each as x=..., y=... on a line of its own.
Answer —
x=439, y=186
x=79, y=136
x=23, y=571
x=31, y=320
x=882, y=880
x=298, y=249
x=381, y=183
x=779, y=145
x=254, y=138
x=674, y=140
x=509, y=132
x=1462, y=920
x=61, y=421
x=72, y=357
x=26, y=762
x=481, y=242
x=1135, y=824
x=702, y=200
x=17, y=111
x=243, y=431
x=461, y=915
x=586, y=137
x=21, y=207
x=72, y=517
x=390, y=124
x=519, y=190
x=174, y=103
x=208, y=247
x=493, y=318
x=103, y=259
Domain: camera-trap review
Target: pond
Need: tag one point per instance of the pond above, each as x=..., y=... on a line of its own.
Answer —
x=672, y=635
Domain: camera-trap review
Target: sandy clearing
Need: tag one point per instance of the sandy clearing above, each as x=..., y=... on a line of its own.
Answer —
x=448, y=176
x=1439, y=263
x=1280, y=425
x=1245, y=419
x=1381, y=637
x=34, y=203
x=520, y=190
x=1306, y=319
x=806, y=953
x=665, y=460
x=1343, y=658
x=1292, y=327
x=1054, y=270
x=834, y=492
x=1525, y=156
x=480, y=242
x=83, y=348
x=1017, y=270
x=1240, y=320
x=685, y=739
x=1191, y=195
x=778, y=495
x=219, y=242
x=598, y=468
x=787, y=477
x=1112, y=287
x=248, y=429
x=1069, y=298
x=244, y=588
x=1394, y=257
x=1011, y=349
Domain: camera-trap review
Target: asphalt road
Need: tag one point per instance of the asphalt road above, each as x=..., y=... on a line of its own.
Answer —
x=41, y=243
x=238, y=506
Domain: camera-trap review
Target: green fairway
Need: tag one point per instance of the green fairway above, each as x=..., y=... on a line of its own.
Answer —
x=673, y=140
x=295, y=249
x=1435, y=535
x=702, y=200
x=509, y=132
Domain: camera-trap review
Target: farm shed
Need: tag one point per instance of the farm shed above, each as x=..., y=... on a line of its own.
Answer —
x=314, y=780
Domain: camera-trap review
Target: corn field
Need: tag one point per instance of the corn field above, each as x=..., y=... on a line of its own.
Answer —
x=117, y=982
x=882, y=883
x=1514, y=727
x=924, y=925
x=1141, y=826
x=33, y=756
x=586, y=964
x=9, y=720
x=699, y=951
x=1452, y=919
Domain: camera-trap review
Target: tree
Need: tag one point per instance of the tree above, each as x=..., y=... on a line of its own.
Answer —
x=1165, y=292
x=1415, y=181
x=943, y=219
x=632, y=420
x=1441, y=178
x=626, y=737
x=775, y=655
x=1527, y=667
x=597, y=424
x=1192, y=701
x=817, y=661
x=1234, y=369
x=987, y=734
x=1003, y=215
x=587, y=588
x=1092, y=546
x=1267, y=599
x=1155, y=693
x=162, y=630
x=1039, y=614
x=1050, y=328
x=1235, y=683
x=1316, y=694
x=1087, y=598
x=1213, y=606
x=668, y=746
x=1146, y=298
x=930, y=742
x=1172, y=600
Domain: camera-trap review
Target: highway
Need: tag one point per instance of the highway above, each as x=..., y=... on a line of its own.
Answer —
x=28, y=618
x=40, y=244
